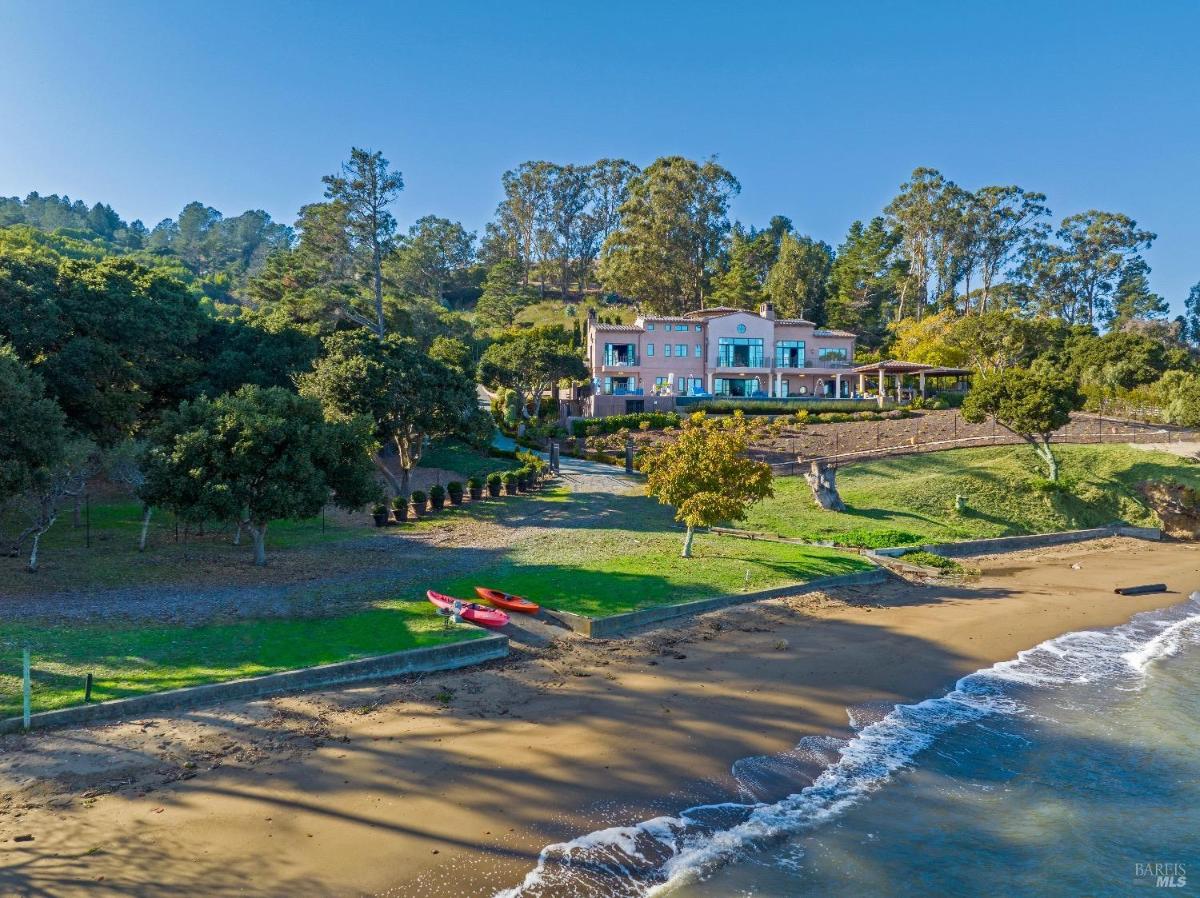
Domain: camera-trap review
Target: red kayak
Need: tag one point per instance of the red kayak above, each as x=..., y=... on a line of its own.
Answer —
x=469, y=611
x=506, y=600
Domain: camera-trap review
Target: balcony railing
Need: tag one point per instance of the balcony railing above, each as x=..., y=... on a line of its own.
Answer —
x=828, y=363
x=620, y=361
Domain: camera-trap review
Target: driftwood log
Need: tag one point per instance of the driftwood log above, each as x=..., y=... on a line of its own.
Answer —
x=822, y=477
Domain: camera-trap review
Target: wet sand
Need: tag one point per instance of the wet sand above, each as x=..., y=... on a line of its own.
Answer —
x=449, y=785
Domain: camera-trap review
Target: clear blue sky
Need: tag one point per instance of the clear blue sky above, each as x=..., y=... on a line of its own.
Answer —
x=820, y=109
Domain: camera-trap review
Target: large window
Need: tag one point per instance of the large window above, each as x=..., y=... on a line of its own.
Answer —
x=740, y=352
x=681, y=350
x=650, y=349
x=736, y=386
x=789, y=354
x=834, y=354
x=620, y=353
x=666, y=350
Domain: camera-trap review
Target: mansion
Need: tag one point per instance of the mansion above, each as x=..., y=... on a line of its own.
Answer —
x=719, y=352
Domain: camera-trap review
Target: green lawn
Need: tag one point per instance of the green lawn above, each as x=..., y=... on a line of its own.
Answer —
x=911, y=499
x=453, y=455
x=136, y=659
x=611, y=554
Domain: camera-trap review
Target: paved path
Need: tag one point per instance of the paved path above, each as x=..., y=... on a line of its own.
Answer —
x=581, y=474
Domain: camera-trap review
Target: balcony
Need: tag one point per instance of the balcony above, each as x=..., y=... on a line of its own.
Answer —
x=828, y=364
x=620, y=361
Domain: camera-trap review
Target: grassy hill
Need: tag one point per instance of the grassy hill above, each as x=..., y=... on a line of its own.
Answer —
x=911, y=499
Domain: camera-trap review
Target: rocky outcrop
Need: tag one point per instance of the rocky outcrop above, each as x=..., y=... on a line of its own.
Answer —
x=1176, y=505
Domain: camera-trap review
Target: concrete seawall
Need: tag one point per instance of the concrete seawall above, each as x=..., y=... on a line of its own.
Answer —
x=422, y=660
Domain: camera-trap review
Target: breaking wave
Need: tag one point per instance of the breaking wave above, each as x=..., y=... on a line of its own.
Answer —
x=655, y=856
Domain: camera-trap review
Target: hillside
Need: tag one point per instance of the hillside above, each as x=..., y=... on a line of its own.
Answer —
x=914, y=496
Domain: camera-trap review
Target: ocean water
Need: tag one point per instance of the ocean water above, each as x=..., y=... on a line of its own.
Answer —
x=1073, y=769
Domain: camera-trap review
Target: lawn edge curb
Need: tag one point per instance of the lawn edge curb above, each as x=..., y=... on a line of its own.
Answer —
x=621, y=624
x=426, y=659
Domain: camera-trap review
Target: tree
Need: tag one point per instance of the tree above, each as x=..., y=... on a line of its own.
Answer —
x=740, y=285
x=930, y=215
x=530, y=363
x=799, y=280
x=407, y=395
x=705, y=474
x=927, y=340
x=1094, y=248
x=365, y=189
x=1029, y=402
x=503, y=296
x=1190, y=325
x=996, y=339
x=673, y=224
x=124, y=465
x=608, y=189
x=1133, y=300
x=434, y=255
x=523, y=212
x=256, y=456
x=568, y=197
x=1008, y=218
x=864, y=281
x=33, y=430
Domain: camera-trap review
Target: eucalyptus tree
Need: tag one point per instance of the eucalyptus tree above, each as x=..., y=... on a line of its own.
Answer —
x=1008, y=219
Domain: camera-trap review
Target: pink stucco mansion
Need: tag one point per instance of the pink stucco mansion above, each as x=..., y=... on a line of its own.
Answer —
x=713, y=352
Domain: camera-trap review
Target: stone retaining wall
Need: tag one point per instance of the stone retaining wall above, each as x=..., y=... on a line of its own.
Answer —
x=422, y=660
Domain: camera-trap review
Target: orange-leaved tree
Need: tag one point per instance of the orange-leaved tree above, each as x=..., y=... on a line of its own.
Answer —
x=705, y=474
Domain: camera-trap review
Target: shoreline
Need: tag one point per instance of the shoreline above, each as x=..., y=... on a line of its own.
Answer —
x=452, y=783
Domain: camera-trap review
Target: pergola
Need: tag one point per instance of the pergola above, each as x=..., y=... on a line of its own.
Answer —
x=891, y=368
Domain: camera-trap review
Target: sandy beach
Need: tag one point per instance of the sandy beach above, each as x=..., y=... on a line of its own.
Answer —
x=449, y=785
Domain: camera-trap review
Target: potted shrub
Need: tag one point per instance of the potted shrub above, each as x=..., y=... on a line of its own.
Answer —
x=454, y=490
x=437, y=497
x=509, y=478
x=400, y=509
x=419, y=503
x=522, y=480
x=493, y=484
x=475, y=488
x=380, y=513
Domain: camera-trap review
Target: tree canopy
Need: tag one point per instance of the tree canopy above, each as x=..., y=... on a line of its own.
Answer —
x=705, y=474
x=256, y=456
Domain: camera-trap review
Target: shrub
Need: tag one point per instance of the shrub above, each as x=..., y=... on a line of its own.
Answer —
x=508, y=477
x=472, y=482
x=454, y=488
x=399, y=502
x=437, y=491
x=378, y=508
x=418, y=498
x=494, y=478
x=928, y=559
x=633, y=420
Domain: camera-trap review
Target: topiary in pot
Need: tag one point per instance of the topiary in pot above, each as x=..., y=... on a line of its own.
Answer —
x=380, y=514
x=493, y=484
x=522, y=479
x=454, y=490
x=437, y=497
x=400, y=509
x=510, y=483
x=419, y=500
x=475, y=488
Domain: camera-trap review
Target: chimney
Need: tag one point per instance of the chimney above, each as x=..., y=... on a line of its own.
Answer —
x=767, y=310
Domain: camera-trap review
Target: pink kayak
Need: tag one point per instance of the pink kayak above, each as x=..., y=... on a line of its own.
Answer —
x=476, y=614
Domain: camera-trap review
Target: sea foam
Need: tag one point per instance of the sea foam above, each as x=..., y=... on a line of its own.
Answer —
x=655, y=856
